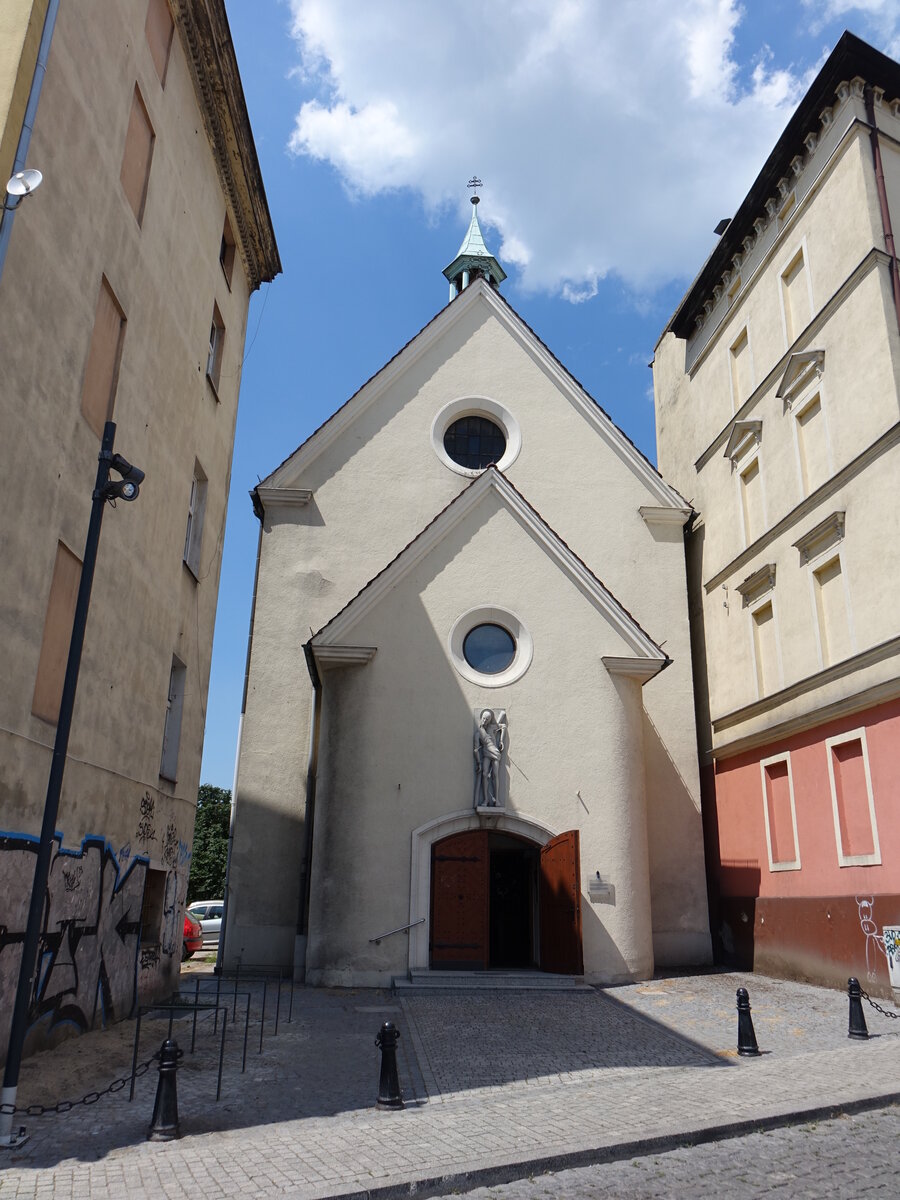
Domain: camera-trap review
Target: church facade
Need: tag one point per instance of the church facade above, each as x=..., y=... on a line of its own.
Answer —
x=467, y=738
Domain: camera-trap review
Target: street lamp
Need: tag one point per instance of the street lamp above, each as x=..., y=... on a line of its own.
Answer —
x=127, y=487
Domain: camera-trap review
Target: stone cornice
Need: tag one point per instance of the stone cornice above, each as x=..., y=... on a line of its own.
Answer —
x=203, y=29
x=809, y=683
x=757, y=584
x=872, y=259
x=821, y=537
x=840, y=83
x=880, y=446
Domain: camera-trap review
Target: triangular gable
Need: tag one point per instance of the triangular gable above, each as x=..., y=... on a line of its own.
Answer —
x=644, y=648
x=478, y=293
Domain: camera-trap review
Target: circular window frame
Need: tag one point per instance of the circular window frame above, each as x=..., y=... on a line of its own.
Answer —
x=489, y=614
x=476, y=406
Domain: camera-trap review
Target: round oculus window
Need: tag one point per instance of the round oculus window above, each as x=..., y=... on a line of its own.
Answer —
x=474, y=442
x=489, y=649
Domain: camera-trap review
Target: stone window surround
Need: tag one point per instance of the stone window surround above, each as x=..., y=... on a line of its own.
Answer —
x=760, y=601
x=476, y=406
x=491, y=614
x=853, y=860
x=800, y=248
x=784, y=864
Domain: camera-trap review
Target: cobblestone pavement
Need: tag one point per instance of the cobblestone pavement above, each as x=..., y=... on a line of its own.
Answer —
x=498, y=1085
x=842, y=1159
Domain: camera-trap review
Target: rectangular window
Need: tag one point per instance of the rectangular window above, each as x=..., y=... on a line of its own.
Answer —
x=158, y=30
x=51, y=672
x=101, y=372
x=751, y=501
x=152, y=907
x=741, y=374
x=227, y=251
x=795, y=297
x=216, y=348
x=168, y=765
x=139, y=140
x=765, y=649
x=779, y=813
x=193, y=537
x=853, y=803
x=812, y=445
x=831, y=612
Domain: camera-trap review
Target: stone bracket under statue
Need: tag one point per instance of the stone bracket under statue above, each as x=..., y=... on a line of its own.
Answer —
x=490, y=749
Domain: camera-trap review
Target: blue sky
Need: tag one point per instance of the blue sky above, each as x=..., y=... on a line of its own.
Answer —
x=610, y=138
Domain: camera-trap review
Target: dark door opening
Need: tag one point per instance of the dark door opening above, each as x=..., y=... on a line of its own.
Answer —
x=502, y=901
x=512, y=902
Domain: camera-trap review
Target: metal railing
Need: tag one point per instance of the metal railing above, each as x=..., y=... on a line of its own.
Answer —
x=400, y=929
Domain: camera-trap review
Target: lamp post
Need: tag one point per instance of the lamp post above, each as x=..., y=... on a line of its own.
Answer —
x=105, y=489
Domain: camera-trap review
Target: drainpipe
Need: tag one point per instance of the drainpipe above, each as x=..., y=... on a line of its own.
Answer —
x=311, y=774
x=882, y=198
x=37, y=82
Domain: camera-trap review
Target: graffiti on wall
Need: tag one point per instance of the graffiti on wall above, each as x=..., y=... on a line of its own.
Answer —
x=90, y=936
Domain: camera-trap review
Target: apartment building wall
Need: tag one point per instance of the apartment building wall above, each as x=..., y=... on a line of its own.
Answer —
x=124, y=297
x=777, y=411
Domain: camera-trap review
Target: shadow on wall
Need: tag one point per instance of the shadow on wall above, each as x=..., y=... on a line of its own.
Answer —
x=672, y=816
x=269, y=916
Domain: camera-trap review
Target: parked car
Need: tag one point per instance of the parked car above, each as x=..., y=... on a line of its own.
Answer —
x=193, y=937
x=209, y=914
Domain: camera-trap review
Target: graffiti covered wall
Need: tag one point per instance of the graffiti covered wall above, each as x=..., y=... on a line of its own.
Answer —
x=93, y=965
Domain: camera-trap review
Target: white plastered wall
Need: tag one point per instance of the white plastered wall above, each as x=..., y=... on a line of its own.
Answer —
x=396, y=753
x=375, y=487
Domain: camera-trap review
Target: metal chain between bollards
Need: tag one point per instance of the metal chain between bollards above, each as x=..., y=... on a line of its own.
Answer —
x=64, y=1106
x=874, y=1003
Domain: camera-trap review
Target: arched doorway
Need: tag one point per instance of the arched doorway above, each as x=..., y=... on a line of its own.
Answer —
x=500, y=900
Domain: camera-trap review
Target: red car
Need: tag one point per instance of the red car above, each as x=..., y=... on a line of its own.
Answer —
x=193, y=937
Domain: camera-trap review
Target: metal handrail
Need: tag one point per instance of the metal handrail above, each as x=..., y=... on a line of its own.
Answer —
x=400, y=929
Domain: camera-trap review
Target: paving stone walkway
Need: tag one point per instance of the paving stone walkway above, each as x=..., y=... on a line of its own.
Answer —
x=499, y=1086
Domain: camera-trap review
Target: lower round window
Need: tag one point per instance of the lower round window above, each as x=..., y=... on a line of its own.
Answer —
x=489, y=648
x=474, y=442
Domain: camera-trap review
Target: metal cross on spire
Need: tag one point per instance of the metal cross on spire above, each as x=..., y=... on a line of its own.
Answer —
x=475, y=183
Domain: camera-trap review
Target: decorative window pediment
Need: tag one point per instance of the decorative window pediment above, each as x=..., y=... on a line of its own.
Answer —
x=744, y=434
x=821, y=537
x=757, y=584
x=803, y=368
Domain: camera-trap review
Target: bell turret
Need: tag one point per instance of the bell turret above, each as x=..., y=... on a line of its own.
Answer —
x=473, y=259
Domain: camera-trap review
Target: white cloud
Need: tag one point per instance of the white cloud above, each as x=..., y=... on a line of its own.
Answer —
x=879, y=19
x=611, y=135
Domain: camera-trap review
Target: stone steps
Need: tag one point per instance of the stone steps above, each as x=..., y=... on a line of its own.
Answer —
x=501, y=981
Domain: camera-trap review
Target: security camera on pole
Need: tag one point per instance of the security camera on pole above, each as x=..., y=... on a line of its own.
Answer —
x=127, y=487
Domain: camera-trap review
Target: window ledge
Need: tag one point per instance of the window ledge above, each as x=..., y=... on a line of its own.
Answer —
x=191, y=571
x=213, y=387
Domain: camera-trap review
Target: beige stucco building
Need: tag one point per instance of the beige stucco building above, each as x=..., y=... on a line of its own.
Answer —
x=778, y=412
x=460, y=729
x=124, y=291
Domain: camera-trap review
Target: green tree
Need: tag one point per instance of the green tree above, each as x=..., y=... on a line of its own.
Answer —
x=210, y=851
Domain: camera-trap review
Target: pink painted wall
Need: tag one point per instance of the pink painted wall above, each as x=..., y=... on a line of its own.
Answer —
x=743, y=867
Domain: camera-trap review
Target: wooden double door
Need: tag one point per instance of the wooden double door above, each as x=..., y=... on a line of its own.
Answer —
x=503, y=901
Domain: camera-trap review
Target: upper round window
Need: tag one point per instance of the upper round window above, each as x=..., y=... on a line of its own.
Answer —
x=475, y=442
x=489, y=649
x=472, y=432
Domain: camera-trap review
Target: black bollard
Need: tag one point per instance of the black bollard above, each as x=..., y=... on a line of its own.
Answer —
x=746, y=1037
x=164, y=1126
x=857, y=1016
x=388, y=1083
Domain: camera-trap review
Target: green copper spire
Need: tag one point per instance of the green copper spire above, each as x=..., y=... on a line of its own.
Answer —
x=473, y=259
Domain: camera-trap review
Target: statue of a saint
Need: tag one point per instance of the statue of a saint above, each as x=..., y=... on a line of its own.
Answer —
x=488, y=749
